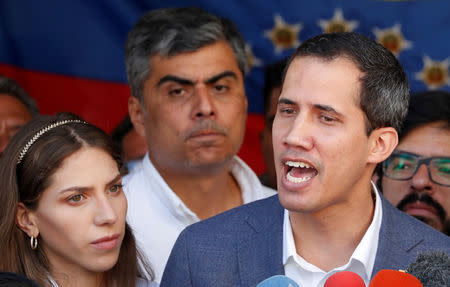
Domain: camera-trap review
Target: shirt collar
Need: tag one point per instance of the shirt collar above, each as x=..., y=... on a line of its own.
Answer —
x=363, y=258
x=366, y=250
x=249, y=184
x=166, y=195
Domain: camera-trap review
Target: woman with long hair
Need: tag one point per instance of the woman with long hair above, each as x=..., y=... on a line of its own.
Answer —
x=62, y=208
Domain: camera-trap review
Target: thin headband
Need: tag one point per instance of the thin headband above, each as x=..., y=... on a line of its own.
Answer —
x=43, y=131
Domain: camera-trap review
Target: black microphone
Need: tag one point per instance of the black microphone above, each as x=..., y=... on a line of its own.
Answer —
x=431, y=268
x=278, y=281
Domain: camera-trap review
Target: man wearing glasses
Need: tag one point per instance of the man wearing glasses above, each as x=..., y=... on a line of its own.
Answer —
x=416, y=177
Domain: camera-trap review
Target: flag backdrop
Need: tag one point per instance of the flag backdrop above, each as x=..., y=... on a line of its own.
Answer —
x=68, y=54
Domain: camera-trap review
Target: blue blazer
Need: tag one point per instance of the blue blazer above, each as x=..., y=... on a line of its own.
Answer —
x=244, y=246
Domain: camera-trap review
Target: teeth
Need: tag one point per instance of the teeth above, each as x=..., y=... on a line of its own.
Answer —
x=297, y=179
x=298, y=164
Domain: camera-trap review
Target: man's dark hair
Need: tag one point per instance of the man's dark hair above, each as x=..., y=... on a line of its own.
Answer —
x=427, y=107
x=273, y=78
x=384, y=91
x=171, y=31
x=12, y=88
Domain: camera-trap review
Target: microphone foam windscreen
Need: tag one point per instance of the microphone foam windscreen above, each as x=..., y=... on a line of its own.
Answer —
x=278, y=281
x=345, y=278
x=432, y=269
x=393, y=278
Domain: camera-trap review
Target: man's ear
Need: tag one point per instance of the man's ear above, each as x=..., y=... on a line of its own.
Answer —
x=27, y=220
x=136, y=112
x=382, y=142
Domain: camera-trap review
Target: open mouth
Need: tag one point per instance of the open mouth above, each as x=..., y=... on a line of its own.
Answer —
x=298, y=171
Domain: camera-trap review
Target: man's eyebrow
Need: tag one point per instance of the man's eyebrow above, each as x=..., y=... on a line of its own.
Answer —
x=285, y=101
x=326, y=109
x=172, y=78
x=217, y=77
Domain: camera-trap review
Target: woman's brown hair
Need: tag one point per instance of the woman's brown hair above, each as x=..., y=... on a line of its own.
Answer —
x=25, y=181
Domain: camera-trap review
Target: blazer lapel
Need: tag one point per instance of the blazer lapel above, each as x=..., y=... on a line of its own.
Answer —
x=260, y=255
x=394, y=241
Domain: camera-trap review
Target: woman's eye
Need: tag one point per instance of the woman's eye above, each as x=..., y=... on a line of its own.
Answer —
x=76, y=198
x=115, y=188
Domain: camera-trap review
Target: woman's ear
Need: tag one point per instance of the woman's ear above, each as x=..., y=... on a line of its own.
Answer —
x=26, y=220
x=382, y=143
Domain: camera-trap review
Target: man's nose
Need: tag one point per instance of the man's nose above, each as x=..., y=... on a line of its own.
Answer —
x=300, y=133
x=203, y=105
x=421, y=181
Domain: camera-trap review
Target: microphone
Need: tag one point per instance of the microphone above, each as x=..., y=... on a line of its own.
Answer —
x=344, y=278
x=393, y=278
x=278, y=281
x=431, y=268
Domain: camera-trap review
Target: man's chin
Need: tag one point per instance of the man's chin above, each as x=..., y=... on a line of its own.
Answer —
x=208, y=165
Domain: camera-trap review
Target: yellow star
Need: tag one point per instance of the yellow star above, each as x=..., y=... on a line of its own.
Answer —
x=283, y=35
x=392, y=39
x=337, y=23
x=434, y=73
x=252, y=61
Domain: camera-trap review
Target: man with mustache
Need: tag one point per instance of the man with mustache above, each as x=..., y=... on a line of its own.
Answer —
x=186, y=73
x=416, y=177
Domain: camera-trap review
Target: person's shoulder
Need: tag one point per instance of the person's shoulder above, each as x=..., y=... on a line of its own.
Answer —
x=14, y=279
x=410, y=228
x=237, y=220
x=432, y=237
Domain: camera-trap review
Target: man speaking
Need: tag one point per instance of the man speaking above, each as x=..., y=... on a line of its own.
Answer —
x=342, y=102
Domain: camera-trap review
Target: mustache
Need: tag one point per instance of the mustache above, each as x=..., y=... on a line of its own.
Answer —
x=205, y=126
x=425, y=198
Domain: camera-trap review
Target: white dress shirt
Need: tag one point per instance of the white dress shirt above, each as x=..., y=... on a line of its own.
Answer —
x=361, y=261
x=157, y=215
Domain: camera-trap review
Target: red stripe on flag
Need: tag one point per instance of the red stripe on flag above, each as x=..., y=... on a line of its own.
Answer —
x=99, y=102
x=105, y=104
x=251, y=147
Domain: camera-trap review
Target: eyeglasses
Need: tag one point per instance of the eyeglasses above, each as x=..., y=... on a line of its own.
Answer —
x=404, y=165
